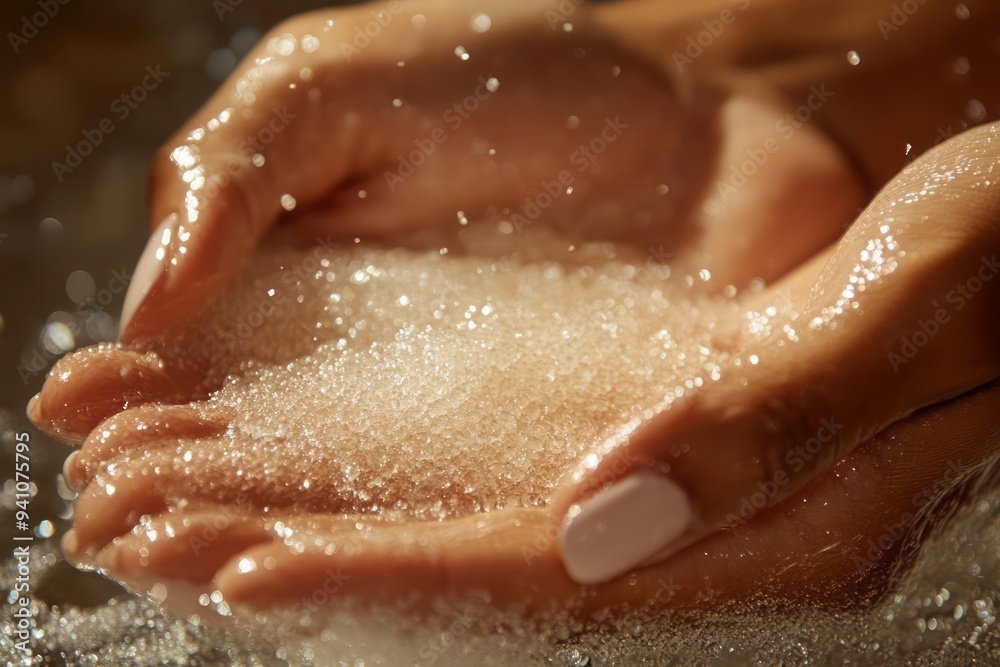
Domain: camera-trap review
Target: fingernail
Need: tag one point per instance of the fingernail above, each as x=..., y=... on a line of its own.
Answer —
x=108, y=558
x=33, y=410
x=69, y=472
x=617, y=529
x=70, y=546
x=148, y=269
x=82, y=559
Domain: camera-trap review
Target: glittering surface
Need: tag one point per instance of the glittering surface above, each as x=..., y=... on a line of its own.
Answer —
x=944, y=613
x=422, y=384
x=426, y=384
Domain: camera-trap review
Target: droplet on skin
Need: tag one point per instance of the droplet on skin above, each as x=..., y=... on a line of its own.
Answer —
x=309, y=44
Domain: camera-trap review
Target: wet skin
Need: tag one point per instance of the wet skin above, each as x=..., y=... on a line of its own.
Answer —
x=687, y=133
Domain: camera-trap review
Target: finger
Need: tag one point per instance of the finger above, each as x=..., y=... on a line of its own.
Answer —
x=240, y=161
x=147, y=483
x=189, y=546
x=401, y=560
x=816, y=550
x=848, y=537
x=85, y=388
x=299, y=118
x=138, y=429
x=112, y=506
x=797, y=400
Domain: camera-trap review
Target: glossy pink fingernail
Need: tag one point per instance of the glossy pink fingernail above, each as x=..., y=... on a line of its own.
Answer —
x=148, y=269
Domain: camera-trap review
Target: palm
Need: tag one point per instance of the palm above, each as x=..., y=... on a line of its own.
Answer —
x=373, y=172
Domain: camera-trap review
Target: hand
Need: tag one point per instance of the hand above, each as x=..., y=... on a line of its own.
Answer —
x=376, y=136
x=325, y=139
x=901, y=315
x=809, y=178
x=866, y=316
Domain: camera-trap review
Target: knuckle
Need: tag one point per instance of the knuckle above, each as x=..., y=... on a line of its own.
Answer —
x=795, y=426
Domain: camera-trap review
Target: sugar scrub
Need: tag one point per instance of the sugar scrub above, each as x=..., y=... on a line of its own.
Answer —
x=431, y=384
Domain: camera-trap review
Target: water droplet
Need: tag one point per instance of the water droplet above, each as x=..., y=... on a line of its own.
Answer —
x=309, y=43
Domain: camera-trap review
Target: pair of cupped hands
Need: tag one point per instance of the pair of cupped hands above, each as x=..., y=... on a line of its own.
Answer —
x=800, y=471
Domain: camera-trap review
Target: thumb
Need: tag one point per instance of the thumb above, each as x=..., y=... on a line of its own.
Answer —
x=260, y=146
x=903, y=314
